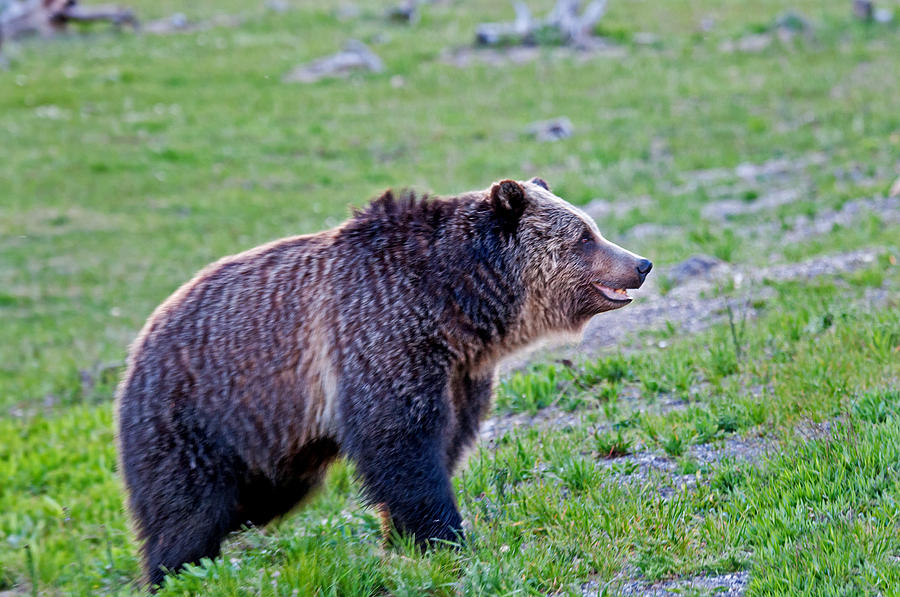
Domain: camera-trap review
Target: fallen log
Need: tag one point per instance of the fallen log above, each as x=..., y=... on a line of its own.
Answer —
x=106, y=13
x=21, y=18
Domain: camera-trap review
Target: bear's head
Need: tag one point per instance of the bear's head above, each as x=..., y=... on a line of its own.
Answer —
x=569, y=271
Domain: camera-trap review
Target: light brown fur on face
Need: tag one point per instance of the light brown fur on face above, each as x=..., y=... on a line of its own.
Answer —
x=576, y=272
x=377, y=340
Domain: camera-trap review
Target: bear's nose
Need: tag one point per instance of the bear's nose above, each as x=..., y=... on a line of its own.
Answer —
x=643, y=268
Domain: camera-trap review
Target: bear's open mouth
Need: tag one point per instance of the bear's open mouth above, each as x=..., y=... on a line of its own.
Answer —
x=614, y=295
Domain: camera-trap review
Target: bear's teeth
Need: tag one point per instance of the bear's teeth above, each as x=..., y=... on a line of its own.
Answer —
x=613, y=294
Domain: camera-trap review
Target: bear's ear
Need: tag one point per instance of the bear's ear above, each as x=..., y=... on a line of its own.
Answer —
x=508, y=200
x=540, y=182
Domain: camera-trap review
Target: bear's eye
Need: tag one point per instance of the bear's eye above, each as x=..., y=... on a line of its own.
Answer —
x=586, y=237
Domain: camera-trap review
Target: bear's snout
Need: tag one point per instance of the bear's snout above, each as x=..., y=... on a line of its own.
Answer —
x=643, y=268
x=614, y=271
x=619, y=267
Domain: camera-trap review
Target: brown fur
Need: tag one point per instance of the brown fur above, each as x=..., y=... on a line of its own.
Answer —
x=377, y=340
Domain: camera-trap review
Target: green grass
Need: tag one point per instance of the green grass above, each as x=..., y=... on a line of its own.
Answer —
x=128, y=162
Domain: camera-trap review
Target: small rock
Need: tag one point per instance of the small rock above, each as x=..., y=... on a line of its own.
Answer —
x=884, y=15
x=355, y=56
x=551, y=130
x=179, y=20
x=407, y=12
x=693, y=266
x=864, y=9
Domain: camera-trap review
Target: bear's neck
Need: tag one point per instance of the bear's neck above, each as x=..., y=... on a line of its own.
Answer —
x=482, y=287
x=459, y=266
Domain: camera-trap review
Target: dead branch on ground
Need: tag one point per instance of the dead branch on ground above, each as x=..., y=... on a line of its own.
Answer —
x=567, y=23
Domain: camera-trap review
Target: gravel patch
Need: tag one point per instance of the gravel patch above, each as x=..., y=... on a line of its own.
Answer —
x=793, y=229
x=801, y=227
x=729, y=208
x=805, y=227
x=738, y=449
x=776, y=170
x=732, y=585
x=656, y=468
x=810, y=430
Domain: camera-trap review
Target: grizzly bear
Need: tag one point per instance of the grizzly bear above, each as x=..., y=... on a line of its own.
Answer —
x=377, y=340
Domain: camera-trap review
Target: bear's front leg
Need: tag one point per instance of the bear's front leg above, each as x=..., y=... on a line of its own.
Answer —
x=414, y=495
x=399, y=448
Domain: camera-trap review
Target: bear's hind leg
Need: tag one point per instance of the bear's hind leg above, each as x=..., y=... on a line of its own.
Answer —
x=188, y=530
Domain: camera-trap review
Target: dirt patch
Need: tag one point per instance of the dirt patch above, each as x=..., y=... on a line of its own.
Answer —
x=654, y=467
x=800, y=228
x=738, y=449
x=772, y=171
x=467, y=56
x=811, y=431
x=783, y=183
x=496, y=427
x=731, y=585
x=887, y=209
x=794, y=229
x=728, y=208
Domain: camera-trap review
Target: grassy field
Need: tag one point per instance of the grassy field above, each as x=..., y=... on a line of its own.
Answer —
x=766, y=450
